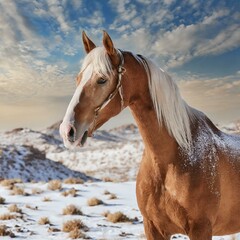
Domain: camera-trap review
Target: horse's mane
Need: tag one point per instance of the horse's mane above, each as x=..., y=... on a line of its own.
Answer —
x=100, y=62
x=171, y=109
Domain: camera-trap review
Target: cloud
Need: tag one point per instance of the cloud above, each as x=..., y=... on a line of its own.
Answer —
x=40, y=44
x=217, y=97
x=56, y=10
x=184, y=43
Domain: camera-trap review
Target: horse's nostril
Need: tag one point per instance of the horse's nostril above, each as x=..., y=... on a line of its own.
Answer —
x=71, y=135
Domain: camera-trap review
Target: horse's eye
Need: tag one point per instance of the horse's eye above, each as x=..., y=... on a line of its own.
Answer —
x=101, y=81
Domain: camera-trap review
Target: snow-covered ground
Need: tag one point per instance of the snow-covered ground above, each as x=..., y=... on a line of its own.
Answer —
x=33, y=208
x=26, y=225
x=40, y=156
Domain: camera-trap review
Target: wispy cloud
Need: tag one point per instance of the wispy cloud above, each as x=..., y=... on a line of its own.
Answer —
x=40, y=44
x=218, y=97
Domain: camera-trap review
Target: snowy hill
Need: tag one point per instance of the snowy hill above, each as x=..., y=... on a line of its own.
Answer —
x=113, y=154
x=30, y=164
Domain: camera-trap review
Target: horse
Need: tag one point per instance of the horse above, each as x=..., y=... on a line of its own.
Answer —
x=189, y=177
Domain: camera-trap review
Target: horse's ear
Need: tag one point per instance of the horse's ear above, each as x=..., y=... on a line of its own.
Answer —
x=88, y=44
x=108, y=44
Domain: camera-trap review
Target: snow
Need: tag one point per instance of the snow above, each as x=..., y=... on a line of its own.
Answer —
x=40, y=156
x=99, y=227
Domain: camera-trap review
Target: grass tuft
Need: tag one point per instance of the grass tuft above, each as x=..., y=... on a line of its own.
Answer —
x=36, y=191
x=72, y=192
x=5, y=232
x=76, y=234
x=106, y=192
x=72, y=210
x=74, y=224
x=119, y=217
x=18, y=191
x=94, y=202
x=2, y=200
x=10, y=182
x=31, y=207
x=54, y=185
x=14, y=208
x=73, y=181
x=44, y=221
x=7, y=216
x=112, y=196
x=47, y=199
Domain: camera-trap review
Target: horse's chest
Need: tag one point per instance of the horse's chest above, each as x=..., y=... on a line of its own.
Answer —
x=160, y=201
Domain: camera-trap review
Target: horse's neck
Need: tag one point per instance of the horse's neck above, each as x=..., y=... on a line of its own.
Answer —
x=159, y=145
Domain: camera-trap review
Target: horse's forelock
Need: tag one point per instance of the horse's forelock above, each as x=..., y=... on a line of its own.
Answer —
x=100, y=62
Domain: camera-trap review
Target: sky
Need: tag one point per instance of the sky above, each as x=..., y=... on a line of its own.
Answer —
x=196, y=41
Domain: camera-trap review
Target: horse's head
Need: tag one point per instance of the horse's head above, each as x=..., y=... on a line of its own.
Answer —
x=98, y=95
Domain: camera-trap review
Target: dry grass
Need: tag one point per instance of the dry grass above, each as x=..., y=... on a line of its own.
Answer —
x=112, y=196
x=72, y=192
x=43, y=221
x=37, y=191
x=72, y=210
x=94, y=202
x=106, y=192
x=18, y=191
x=5, y=232
x=47, y=199
x=52, y=229
x=107, y=179
x=10, y=182
x=119, y=217
x=74, y=224
x=14, y=208
x=54, y=185
x=31, y=207
x=73, y=181
x=76, y=234
x=105, y=214
x=2, y=200
x=7, y=216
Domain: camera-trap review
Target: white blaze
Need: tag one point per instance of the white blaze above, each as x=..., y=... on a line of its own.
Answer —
x=68, y=119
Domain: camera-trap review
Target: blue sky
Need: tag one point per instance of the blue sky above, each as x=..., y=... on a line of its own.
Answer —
x=196, y=41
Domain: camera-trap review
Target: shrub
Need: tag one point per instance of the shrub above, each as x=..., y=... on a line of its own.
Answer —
x=14, y=208
x=73, y=181
x=72, y=192
x=2, y=200
x=7, y=216
x=74, y=224
x=37, y=191
x=30, y=207
x=54, y=185
x=18, y=191
x=106, y=192
x=10, y=182
x=105, y=214
x=94, y=202
x=43, y=221
x=46, y=199
x=76, y=233
x=52, y=229
x=119, y=217
x=72, y=210
x=5, y=232
x=112, y=196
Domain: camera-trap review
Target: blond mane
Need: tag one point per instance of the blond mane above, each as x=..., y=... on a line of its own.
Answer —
x=171, y=109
